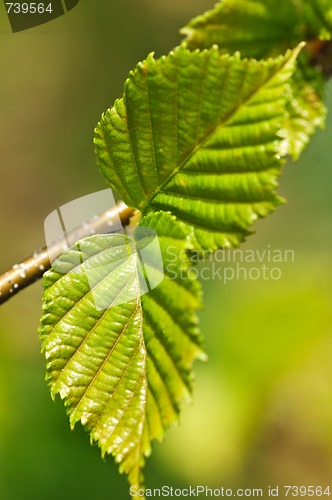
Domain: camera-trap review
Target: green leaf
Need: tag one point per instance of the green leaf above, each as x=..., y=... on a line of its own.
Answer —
x=306, y=113
x=264, y=28
x=259, y=28
x=316, y=18
x=122, y=366
x=253, y=27
x=197, y=134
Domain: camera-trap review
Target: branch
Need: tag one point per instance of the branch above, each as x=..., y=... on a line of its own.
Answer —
x=32, y=269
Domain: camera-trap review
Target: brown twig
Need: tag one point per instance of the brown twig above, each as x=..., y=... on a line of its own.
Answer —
x=31, y=269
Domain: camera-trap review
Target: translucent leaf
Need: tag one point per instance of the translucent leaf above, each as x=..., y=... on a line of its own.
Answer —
x=253, y=27
x=198, y=134
x=122, y=371
x=306, y=113
x=263, y=28
x=259, y=28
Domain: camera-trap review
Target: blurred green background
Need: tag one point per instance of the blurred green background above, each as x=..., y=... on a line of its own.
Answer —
x=262, y=409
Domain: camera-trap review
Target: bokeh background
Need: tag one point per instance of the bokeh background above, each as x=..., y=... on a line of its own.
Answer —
x=262, y=408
